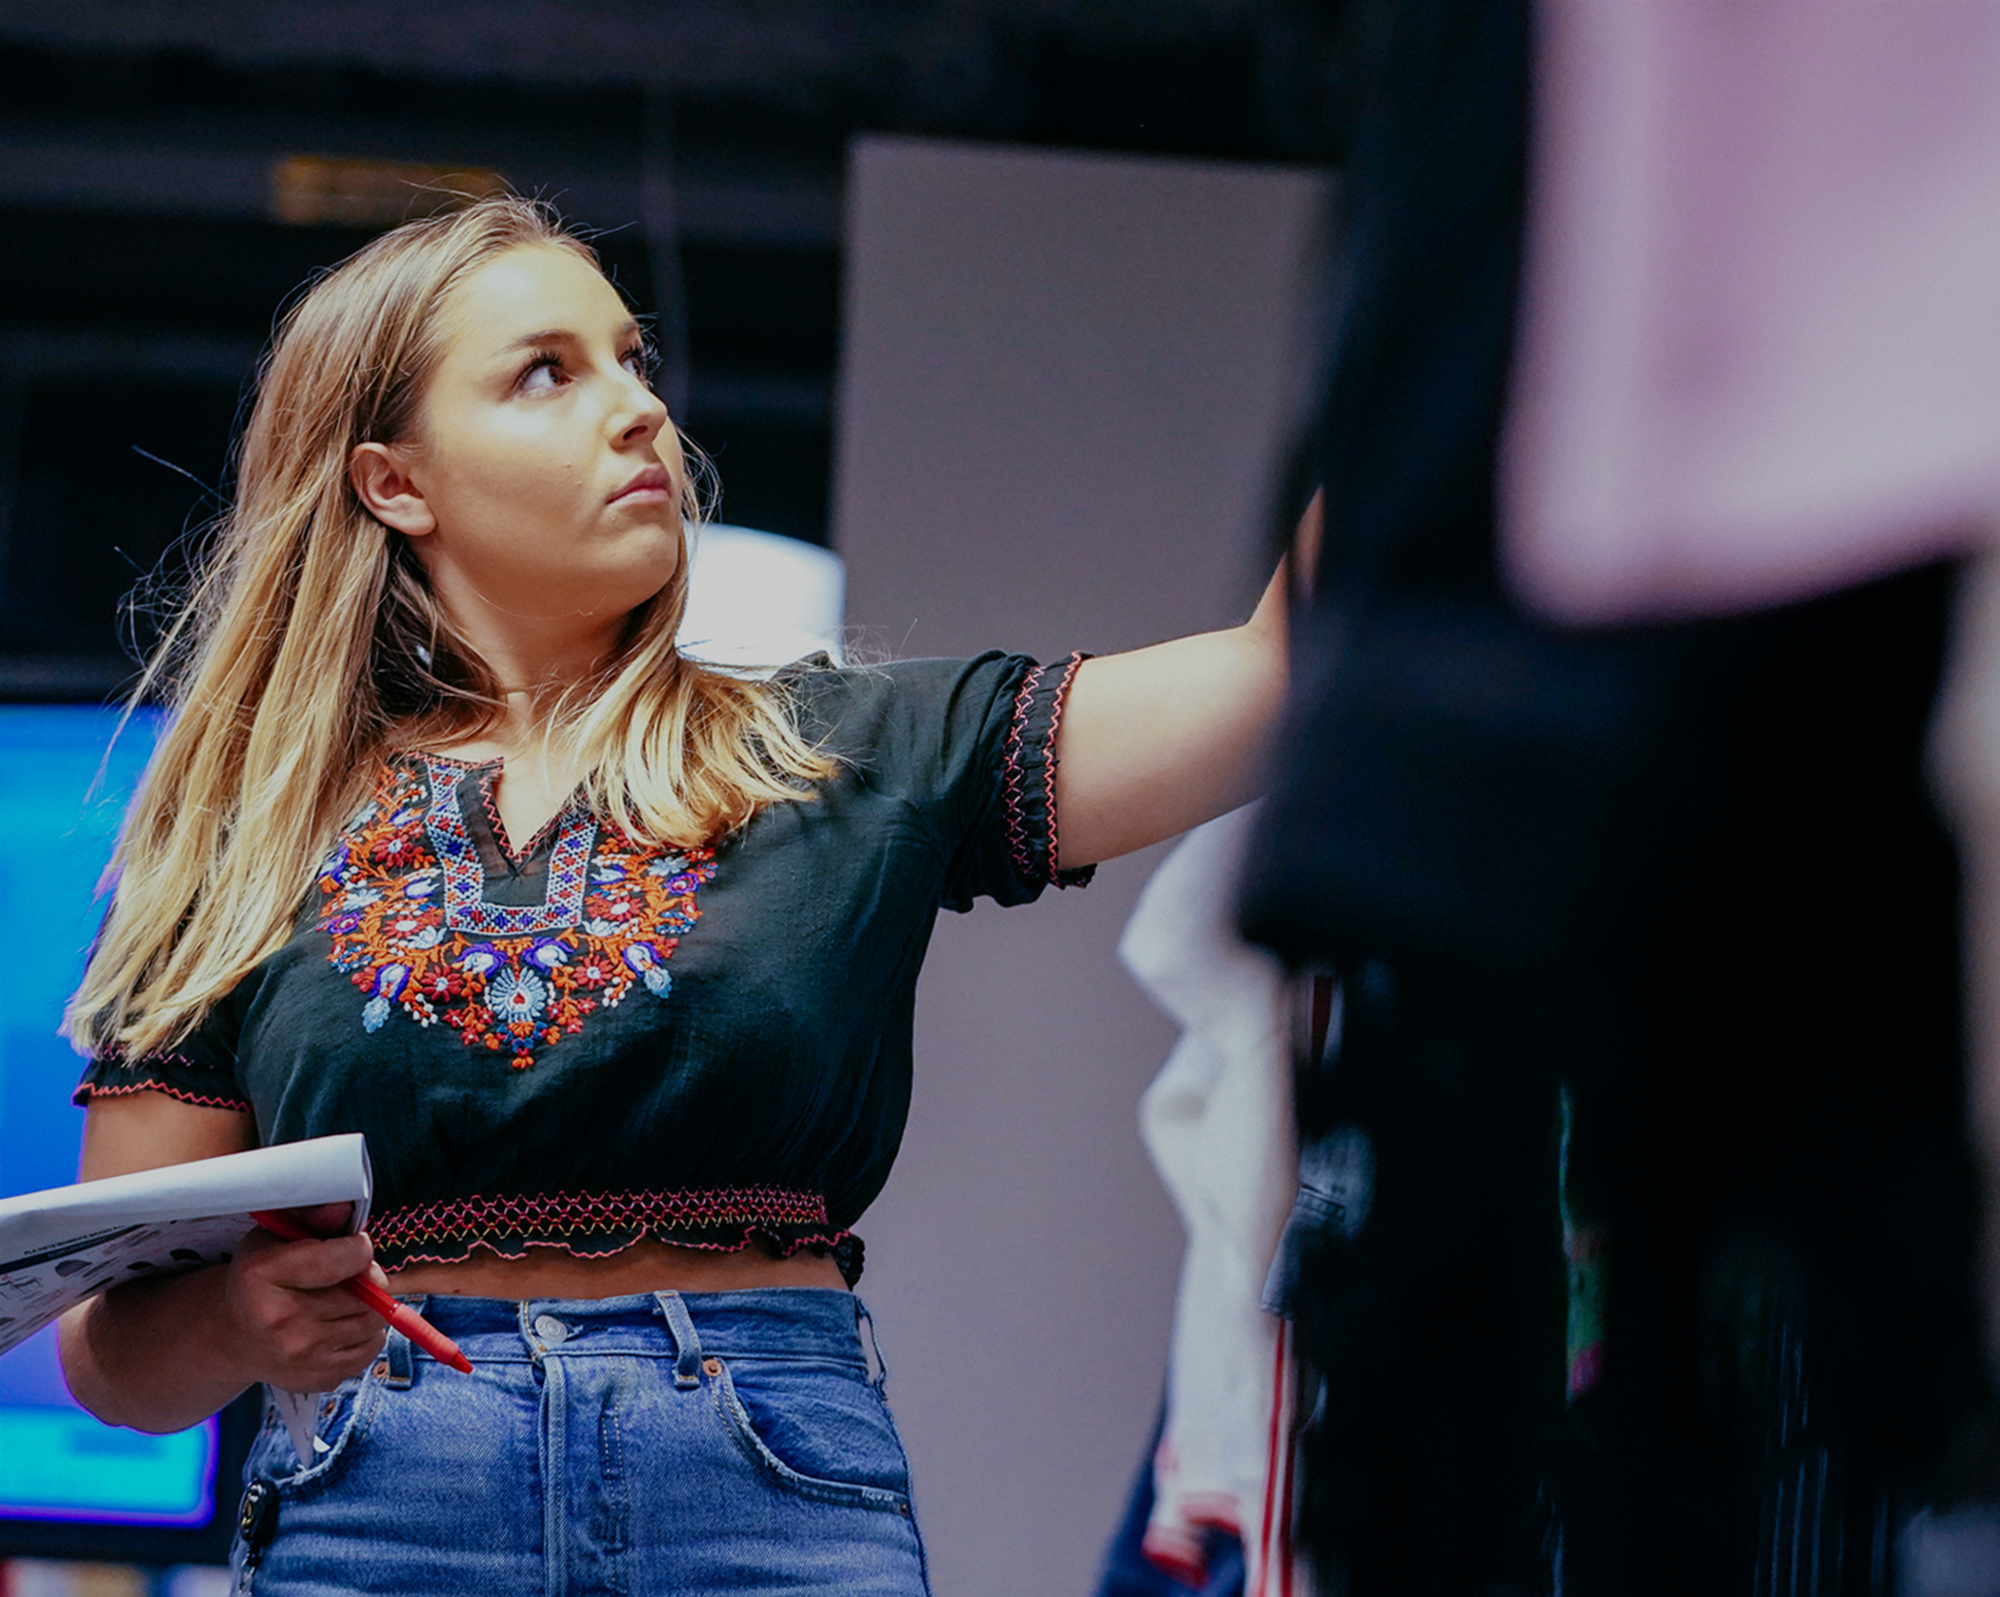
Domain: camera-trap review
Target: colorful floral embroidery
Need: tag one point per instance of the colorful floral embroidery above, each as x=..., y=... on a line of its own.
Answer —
x=404, y=903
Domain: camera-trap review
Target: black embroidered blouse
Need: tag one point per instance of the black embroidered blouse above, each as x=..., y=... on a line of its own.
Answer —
x=587, y=1041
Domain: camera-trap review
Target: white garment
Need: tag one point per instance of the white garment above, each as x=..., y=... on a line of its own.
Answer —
x=1218, y=1123
x=1759, y=355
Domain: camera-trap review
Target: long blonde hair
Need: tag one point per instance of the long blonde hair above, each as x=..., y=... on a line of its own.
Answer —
x=312, y=645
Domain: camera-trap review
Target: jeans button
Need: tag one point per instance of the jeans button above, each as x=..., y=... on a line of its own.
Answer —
x=551, y=1330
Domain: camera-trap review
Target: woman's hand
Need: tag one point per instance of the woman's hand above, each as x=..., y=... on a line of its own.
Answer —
x=1157, y=740
x=285, y=1310
x=161, y=1355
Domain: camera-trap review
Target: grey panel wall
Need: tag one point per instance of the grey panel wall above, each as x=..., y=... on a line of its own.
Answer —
x=1065, y=384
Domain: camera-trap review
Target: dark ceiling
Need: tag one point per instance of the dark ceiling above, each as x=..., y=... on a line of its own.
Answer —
x=145, y=255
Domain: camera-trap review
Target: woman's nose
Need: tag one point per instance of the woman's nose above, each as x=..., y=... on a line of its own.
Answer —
x=646, y=415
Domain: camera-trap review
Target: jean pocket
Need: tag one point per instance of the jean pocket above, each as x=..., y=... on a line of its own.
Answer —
x=274, y=1463
x=341, y=1422
x=818, y=1429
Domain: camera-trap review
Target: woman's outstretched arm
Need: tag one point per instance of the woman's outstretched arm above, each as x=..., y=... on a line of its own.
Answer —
x=1160, y=739
x=161, y=1355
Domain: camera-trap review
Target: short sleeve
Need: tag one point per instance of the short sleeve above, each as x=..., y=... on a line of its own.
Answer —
x=1027, y=826
x=972, y=745
x=200, y=1069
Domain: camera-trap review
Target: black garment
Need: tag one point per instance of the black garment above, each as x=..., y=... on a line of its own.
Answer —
x=1690, y=872
x=587, y=1040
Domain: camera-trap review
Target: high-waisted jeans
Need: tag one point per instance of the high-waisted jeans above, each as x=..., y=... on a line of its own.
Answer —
x=676, y=1443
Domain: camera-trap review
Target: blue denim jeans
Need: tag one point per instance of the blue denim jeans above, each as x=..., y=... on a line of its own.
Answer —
x=698, y=1443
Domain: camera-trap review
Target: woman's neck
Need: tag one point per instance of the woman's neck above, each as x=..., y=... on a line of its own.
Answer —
x=536, y=658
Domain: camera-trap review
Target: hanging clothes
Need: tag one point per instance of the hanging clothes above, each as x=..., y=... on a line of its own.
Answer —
x=1217, y=1122
x=1130, y=1571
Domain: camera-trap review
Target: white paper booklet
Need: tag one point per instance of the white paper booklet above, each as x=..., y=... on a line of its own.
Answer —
x=69, y=1243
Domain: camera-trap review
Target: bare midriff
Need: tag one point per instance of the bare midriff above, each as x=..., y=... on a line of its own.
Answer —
x=646, y=1266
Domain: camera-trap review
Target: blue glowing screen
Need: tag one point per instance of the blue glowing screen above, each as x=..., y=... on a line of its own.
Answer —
x=60, y=803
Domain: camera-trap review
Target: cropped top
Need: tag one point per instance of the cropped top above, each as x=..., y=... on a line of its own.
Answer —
x=586, y=1041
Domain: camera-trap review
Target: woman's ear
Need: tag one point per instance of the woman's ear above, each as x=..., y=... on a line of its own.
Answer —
x=382, y=480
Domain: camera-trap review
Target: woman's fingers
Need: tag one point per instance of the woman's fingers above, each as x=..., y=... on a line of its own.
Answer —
x=297, y=1324
x=325, y=1219
x=304, y=1354
x=324, y=1369
x=310, y=1265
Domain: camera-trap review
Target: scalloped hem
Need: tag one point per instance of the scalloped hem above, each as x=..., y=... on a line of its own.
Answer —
x=843, y=1247
x=92, y=1089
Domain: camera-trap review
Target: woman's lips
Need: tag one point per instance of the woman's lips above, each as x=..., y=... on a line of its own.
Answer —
x=653, y=483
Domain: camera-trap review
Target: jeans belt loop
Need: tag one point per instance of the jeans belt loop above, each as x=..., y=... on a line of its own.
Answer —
x=687, y=1345
x=880, y=1379
x=400, y=1357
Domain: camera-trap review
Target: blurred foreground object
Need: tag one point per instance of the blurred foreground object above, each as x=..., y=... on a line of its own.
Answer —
x=1760, y=350
x=1760, y=346
x=1648, y=951
x=1966, y=759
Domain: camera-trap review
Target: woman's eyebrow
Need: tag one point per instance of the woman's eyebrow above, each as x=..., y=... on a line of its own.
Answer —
x=564, y=335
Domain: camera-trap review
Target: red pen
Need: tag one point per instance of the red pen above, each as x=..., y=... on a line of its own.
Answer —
x=400, y=1315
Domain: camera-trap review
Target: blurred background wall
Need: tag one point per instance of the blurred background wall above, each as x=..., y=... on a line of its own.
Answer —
x=999, y=300
x=1066, y=385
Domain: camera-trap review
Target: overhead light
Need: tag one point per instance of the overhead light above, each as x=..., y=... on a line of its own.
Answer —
x=359, y=191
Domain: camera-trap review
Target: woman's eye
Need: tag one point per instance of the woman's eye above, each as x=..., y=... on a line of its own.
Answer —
x=545, y=373
x=639, y=362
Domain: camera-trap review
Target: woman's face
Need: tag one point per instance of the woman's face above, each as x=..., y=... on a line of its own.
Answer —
x=545, y=485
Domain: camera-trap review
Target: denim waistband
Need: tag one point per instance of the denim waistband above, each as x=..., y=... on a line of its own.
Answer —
x=697, y=1444
x=778, y=1322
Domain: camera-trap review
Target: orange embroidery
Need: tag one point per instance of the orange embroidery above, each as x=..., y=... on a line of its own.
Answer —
x=403, y=903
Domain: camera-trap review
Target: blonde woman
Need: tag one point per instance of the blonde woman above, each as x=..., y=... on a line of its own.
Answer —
x=610, y=956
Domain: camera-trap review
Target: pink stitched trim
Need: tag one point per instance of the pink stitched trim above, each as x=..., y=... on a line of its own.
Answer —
x=91, y=1089
x=476, y=1218
x=1013, y=798
x=490, y=803
x=1061, y=703
x=1022, y=846
x=787, y=1246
